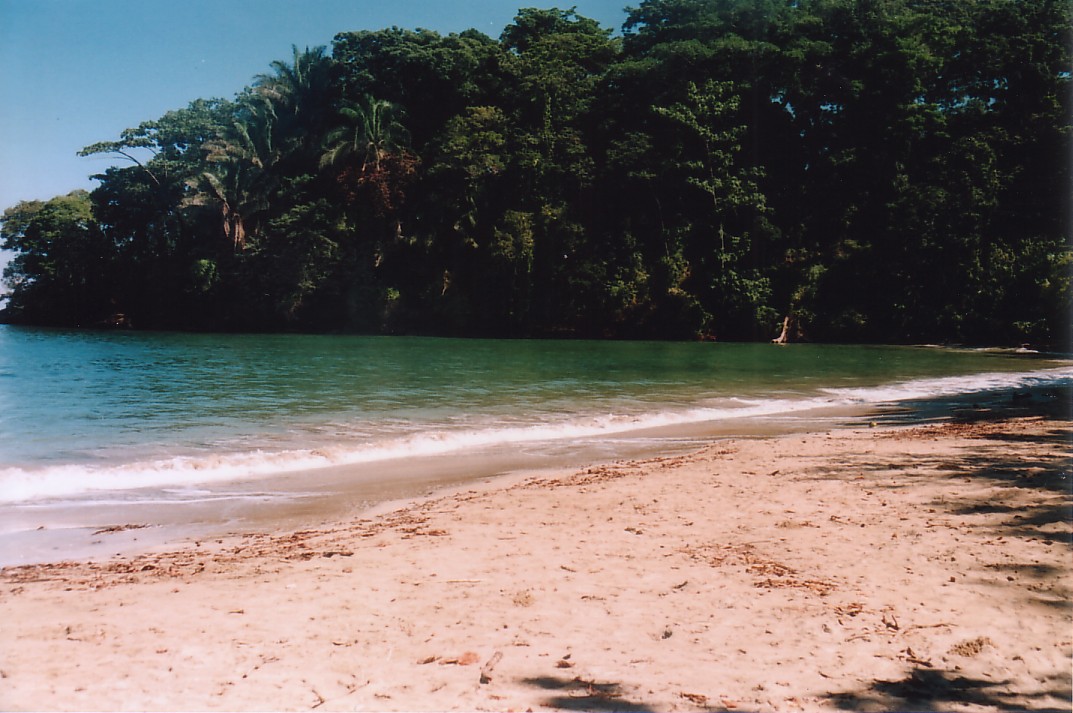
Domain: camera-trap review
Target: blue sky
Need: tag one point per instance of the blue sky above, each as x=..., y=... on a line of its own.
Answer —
x=74, y=72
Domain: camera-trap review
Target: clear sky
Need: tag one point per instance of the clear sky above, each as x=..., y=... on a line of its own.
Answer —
x=74, y=72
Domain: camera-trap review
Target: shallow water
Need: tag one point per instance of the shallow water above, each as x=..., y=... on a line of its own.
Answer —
x=120, y=416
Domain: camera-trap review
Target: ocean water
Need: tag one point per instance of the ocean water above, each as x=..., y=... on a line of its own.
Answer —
x=96, y=416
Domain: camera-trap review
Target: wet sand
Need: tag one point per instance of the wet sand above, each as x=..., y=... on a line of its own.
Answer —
x=917, y=564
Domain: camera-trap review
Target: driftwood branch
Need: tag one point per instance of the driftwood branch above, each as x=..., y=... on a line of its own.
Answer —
x=486, y=671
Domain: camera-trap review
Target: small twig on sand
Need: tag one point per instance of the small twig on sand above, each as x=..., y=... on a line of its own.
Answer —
x=940, y=625
x=118, y=528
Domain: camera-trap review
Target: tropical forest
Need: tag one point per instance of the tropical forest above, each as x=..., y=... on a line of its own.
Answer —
x=832, y=170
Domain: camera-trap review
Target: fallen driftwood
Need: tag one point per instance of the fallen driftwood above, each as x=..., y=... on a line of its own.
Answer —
x=486, y=670
x=791, y=331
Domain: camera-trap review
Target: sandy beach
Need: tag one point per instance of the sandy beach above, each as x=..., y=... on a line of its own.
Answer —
x=901, y=565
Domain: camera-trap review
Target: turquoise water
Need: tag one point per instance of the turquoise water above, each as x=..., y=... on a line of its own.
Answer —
x=100, y=412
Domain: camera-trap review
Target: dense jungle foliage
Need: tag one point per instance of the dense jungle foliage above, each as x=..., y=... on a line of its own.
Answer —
x=887, y=170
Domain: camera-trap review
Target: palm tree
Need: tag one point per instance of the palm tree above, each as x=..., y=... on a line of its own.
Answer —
x=369, y=149
x=302, y=95
x=233, y=186
x=242, y=173
x=370, y=130
x=277, y=130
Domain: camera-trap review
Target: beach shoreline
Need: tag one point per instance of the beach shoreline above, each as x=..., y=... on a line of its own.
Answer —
x=145, y=520
x=913, y=562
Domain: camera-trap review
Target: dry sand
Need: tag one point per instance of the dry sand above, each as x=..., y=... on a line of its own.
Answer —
x=920, y=567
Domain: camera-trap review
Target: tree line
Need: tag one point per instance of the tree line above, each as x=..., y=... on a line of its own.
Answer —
x=854, y=170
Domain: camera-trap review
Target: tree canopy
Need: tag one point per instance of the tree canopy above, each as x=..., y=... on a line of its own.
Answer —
x=874, y=170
